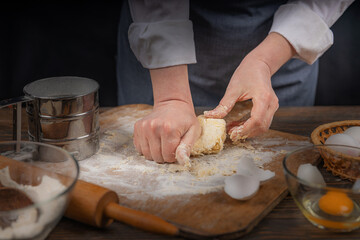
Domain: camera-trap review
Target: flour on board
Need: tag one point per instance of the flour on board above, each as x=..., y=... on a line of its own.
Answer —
x=119, y=167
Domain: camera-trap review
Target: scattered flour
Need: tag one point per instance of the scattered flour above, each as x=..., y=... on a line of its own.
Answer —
x=119, y=167
x=34, y=222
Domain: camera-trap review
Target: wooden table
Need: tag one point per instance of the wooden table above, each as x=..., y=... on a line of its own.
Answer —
x=284, y=222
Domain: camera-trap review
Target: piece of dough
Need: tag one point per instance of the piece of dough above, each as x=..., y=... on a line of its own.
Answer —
x=213, y=135
x=211, y=140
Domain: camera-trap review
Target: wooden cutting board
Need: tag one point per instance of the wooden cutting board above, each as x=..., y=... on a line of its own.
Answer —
x=194, y=201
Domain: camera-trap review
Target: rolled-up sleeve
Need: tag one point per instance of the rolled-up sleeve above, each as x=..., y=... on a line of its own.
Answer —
x=306, y=25
x=161, y=34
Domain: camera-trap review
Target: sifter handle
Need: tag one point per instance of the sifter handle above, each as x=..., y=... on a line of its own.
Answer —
x=17, y=102
x=12, y=101
x=139, y=219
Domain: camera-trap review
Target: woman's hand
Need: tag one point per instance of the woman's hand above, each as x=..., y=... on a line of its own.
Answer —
x=158, y=135
x=172, y=122
x=252, y=80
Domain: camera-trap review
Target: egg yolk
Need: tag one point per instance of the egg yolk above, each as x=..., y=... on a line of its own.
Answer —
x=336, y=203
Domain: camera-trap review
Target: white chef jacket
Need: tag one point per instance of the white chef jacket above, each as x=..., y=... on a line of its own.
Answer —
x=155, y=34
x=162, y=35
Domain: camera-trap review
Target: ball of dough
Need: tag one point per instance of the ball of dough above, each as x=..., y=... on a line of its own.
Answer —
x=213, y=135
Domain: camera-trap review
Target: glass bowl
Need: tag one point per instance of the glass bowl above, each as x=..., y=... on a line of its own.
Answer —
x=326, y=200
x=46, y=174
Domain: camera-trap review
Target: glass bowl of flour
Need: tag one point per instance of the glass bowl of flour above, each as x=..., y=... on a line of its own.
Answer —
x=35, y=183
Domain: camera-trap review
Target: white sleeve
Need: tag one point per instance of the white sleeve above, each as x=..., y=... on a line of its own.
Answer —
x=161, y=34
x=306, y=25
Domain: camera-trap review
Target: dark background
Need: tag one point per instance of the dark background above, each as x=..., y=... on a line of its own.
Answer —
x=78, y=38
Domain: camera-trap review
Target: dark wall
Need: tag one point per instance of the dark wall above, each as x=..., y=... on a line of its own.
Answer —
x=42, y=39
x=78, y=38
x=339, y=76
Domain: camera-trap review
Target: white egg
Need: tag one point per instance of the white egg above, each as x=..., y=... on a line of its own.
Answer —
x=354, y=132
x=241, y=187
x=247, y=167
x=356, y=186
x=310, y=173
x=344, y=139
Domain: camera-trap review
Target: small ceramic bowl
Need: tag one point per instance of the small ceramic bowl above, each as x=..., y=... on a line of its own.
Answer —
x=35, y=181
x=328, y=201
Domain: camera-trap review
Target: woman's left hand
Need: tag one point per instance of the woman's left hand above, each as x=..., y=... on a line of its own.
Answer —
x=252, y=80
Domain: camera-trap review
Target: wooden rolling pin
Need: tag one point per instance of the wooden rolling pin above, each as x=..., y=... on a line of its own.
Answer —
x=90, y=203
x=98, y=206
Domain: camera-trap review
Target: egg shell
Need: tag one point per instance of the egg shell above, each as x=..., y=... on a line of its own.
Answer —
x=344, y=139
x=247, y=167
x=241, y=187
x=354, y=132
x=265, y=175
x=310, y=173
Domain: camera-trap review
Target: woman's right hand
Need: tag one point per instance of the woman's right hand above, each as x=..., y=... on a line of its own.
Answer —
x=158, y=135
x=172, y=122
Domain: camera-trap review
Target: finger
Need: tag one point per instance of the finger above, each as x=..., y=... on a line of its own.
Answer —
x=219, y=112
x=145, y=150
x=236, y=133
x=259, y=126
x=136, y=139
x=155, y=149
x=182, y=154
x=140, y=141
x=225, y=105
x=271, y=112
x=168, y=148
x=152, y=141
x=136, y=143
x=232, y=125
x=236, y=123
x=260, y=120
x=170, y=139
x=254, y=123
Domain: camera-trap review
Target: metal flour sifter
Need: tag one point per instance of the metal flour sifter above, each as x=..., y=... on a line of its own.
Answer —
x=62, y=111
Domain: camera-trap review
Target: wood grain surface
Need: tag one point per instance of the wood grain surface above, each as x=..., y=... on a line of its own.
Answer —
x=284, y=222
x=212, y=214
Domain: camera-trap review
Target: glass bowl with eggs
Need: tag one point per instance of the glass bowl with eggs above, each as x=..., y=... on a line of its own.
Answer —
x=329, y=201
x=35, y=184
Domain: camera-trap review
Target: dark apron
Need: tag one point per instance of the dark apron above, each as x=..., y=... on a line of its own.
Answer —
x=224, y=33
